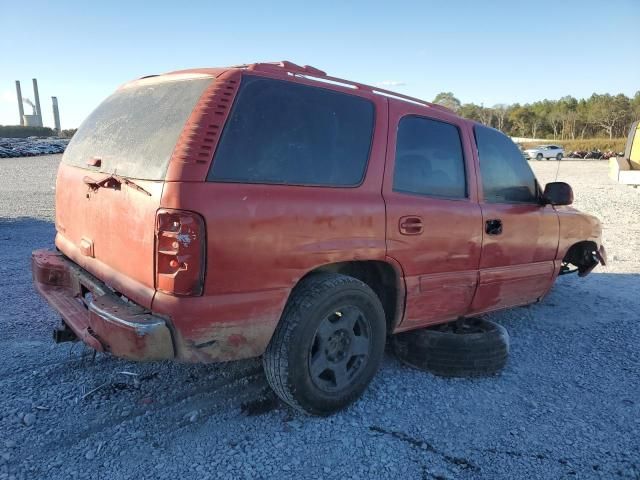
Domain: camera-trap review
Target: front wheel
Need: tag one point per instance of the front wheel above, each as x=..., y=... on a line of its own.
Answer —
x=328, y=345
x=539, y=157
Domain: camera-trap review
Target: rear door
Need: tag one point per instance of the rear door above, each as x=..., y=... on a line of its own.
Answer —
x=111, y=178
x=520, y=235
x=434, y=224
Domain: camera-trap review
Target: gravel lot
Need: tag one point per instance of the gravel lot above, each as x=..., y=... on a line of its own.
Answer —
x=566, y=406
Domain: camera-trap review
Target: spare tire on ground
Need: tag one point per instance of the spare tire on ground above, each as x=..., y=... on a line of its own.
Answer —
x=471, y=348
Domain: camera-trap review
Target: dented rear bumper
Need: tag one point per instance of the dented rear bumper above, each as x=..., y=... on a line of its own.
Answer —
x=100, y=318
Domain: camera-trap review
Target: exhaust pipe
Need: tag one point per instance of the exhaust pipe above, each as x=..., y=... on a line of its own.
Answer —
x=64, y=334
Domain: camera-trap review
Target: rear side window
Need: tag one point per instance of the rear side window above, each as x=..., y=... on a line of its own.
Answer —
x=506, y=175
x=135, y=130
x=429, y=159
x=285, y=133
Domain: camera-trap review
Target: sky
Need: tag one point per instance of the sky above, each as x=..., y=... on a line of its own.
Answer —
x=486, y=52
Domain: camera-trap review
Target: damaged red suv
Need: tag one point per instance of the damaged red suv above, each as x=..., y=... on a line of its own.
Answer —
x=271, y=210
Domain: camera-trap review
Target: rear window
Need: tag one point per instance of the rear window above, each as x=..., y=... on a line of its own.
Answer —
x=282, y=132
x=135, y=130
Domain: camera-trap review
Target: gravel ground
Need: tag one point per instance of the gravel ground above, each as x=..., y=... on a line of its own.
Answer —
x=566, y=406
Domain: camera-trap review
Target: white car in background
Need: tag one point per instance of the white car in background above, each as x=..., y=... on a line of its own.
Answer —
x=542, y=152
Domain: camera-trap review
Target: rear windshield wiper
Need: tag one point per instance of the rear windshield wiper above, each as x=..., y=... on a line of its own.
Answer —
x=113, y=181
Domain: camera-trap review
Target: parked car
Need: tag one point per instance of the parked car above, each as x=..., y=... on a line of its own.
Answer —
x=31, y=146
x=542, y=152
x=272, y=210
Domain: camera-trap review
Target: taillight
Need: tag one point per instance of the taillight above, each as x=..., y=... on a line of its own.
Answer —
x=180, y=252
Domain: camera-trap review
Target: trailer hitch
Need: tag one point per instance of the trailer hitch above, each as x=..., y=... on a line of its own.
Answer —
x=64, y=334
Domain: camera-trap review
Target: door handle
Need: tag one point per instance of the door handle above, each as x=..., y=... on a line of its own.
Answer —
x=493, y=227
x=410, y=225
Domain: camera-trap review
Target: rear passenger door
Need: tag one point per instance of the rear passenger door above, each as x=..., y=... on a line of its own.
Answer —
x=520, y=234
x=434, y=224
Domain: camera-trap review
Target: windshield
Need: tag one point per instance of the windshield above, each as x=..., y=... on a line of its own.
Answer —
x=134, y=131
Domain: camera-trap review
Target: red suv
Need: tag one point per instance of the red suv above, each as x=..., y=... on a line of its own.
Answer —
x=271, y=210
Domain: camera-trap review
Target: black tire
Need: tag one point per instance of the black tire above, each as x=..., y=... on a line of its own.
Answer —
x=481, y=349
x=322, y=306
x=559, y=157
x=539, y=157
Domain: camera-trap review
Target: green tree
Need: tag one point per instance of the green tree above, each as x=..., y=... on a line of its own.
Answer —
x=609, y=112
x=447, y=99
x=470, y=111
x=567, y=106
x=501, y=110
x=521, y=118
x=635, y=106
x=566, y=118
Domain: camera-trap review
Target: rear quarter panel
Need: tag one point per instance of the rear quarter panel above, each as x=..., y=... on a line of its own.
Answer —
x=261, y=240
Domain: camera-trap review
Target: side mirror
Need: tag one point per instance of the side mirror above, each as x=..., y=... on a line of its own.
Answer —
x=558, y=193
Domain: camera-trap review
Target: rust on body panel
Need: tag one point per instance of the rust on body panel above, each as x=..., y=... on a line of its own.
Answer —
x=260, y=240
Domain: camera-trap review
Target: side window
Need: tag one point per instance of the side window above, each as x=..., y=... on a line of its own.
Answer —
x=429, y=159
x=282, y=132
x=506, y=175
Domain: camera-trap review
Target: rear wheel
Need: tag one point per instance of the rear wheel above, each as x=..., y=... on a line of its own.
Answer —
x=559, y=157
x=328, y=345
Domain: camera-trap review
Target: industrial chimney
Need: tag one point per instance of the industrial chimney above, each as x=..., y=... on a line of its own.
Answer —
x=37, y=97
x=56, y=114
x=20, y=107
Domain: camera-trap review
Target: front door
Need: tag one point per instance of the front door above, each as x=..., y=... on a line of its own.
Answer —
x=520, y=234
x=434, y=223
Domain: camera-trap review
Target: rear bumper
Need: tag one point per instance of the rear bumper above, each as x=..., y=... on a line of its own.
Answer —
x=99, y=317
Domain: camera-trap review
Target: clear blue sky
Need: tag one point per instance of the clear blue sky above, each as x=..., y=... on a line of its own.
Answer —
x=483, y=51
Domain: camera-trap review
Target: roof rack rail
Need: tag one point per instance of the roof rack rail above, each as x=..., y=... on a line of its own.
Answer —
x=288, y=66
x=312, y=72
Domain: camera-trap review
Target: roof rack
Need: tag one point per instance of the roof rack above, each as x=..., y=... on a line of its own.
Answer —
x=317, y=74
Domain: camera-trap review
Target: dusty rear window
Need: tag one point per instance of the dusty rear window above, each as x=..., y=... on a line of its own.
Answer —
x=135, y=130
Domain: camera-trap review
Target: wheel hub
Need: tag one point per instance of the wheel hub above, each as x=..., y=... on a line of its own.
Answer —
x=338, y=346
x=340, y=349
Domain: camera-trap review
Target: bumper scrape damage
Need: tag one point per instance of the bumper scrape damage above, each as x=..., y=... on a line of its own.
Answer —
x=93, y=313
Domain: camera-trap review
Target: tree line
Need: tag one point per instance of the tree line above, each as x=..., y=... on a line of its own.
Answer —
x=18, y=131
x=565, y=119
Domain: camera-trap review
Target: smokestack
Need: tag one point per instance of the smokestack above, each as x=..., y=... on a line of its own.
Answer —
x=56, y=114
x=37, y=97
x=20, y=108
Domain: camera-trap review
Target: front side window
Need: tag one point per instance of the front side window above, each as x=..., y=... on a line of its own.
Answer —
x=506, y=175
x=429, y=159
x=282, y=132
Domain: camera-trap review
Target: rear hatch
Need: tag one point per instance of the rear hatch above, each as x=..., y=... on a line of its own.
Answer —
x=110, y=180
